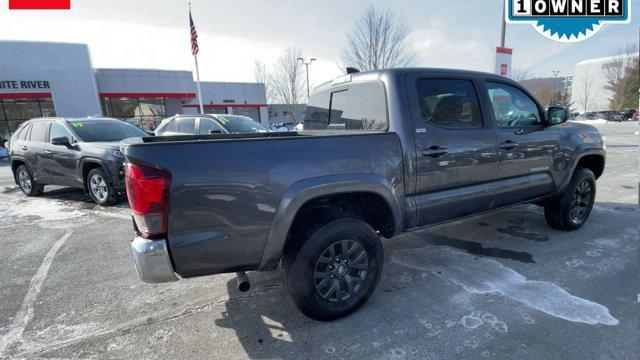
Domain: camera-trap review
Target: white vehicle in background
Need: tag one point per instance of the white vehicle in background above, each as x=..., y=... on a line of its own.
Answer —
x=209, y=124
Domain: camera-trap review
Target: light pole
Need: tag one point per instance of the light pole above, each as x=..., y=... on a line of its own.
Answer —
x=504, y=28
x=306, y=65
x=555, y=75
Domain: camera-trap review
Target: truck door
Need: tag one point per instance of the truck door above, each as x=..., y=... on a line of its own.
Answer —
x=527, y=148
x=456, y=154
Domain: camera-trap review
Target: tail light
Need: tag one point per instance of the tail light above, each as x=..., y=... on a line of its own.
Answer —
x=6, y=144
x=148, y=191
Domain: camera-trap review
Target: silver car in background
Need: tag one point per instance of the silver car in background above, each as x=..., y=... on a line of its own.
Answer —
x=209, y=124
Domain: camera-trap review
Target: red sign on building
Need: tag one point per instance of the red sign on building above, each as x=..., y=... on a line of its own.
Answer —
x=39, y=4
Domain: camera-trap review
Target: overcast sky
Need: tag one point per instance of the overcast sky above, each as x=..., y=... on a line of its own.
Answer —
x=154, y=34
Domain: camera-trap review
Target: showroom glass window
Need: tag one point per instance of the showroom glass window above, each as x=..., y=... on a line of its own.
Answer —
x=145, y=113
x=14, y=112
x=512, y=108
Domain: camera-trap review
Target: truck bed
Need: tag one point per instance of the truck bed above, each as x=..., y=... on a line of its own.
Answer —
x=226, y=189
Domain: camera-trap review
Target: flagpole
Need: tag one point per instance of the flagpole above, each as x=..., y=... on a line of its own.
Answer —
x=198, y=82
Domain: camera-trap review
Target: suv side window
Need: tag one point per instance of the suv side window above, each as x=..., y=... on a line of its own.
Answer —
x=207, y=125
x=24, y=132
x=171, y=126
x=187, y=126
x=449, y=103
x=363, y=106
x=58, y=130
x=40, y=131
x=512, y=108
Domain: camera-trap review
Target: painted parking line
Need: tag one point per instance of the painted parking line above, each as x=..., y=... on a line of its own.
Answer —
x=25, y=314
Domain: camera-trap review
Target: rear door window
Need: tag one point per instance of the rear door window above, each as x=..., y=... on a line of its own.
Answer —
x=40, y=131
x=187, y=126
x=172, y=126
x=449, y=103
x=360, y=107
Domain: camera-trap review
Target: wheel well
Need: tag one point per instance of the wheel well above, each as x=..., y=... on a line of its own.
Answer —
x=15, y=165
x=86, y=168
x=370, y=207
x=595, y=163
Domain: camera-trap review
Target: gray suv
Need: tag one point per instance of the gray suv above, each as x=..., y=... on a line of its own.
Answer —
x=209, y=124
x=83, y=153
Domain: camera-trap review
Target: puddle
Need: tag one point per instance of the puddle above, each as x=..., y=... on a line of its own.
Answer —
x=476, y=248
x=521, y=232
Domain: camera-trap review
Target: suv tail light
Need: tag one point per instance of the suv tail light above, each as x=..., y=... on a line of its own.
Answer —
x=148, y=191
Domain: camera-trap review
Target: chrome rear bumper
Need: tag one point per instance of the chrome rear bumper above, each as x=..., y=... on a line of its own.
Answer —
x=151, y=258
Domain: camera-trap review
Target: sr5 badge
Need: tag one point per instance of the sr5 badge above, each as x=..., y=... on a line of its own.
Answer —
x=568, y=20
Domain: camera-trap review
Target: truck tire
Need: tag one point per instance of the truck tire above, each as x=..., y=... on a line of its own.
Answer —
x=25, y=180
x=99, y=188
x=335, y=269
x=570, y=210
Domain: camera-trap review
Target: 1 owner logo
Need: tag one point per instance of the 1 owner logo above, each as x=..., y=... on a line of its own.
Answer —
x=568, y=20
x=39, y=4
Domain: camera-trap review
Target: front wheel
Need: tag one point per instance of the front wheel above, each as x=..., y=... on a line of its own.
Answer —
x=99, y=188
x=570, y=210
x=336, y=269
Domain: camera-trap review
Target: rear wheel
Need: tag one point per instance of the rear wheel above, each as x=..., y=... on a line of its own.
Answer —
x=570, y=210
x=335, y=270
x=25, y=180
x=99, y=188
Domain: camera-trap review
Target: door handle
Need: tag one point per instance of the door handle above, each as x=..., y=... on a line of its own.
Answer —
x=434, y=151
x=24, y=147
x=508, y=145
x=48, y=152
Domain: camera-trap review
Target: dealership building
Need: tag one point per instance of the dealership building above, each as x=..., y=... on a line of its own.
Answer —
x=58, y=79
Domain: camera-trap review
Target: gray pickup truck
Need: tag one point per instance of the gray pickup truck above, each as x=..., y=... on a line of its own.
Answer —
x=382, y=152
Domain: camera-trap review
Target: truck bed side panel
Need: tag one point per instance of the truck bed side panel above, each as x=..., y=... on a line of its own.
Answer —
x=225, y=193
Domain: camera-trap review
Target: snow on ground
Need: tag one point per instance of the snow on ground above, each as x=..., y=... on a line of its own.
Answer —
x=598, y=121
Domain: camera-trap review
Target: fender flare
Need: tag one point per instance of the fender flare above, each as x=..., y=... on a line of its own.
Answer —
x=22, y=160
x=304, y=190
x=579, y=153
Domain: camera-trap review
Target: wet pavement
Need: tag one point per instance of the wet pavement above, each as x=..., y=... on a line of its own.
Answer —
x=501, y=285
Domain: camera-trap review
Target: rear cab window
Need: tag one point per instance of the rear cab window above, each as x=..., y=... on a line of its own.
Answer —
x=359, y=107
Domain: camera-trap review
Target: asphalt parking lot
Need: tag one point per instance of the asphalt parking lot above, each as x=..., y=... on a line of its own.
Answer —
x=502, y=285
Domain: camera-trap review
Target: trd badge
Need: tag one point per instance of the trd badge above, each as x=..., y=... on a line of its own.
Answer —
x=568, y=20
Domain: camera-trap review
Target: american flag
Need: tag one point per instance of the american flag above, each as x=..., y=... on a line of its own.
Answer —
x=194, y=36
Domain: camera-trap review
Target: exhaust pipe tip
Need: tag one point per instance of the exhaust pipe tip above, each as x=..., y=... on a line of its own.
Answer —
x=243, y=281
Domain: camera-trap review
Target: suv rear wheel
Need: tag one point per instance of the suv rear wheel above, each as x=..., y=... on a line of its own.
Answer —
x=99, y=188
x=336, y=269
x=570, y=210
x=25, y=180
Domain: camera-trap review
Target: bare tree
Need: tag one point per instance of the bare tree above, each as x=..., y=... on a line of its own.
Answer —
x=262, y=75
x=586, y=91
x=288, y=81
x=520, y=74
x=615, y=73
x=378, y=41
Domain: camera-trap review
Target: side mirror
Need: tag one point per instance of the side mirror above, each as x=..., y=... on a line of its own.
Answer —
x=215, y=131
x=557, y=115
x=62, y=140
